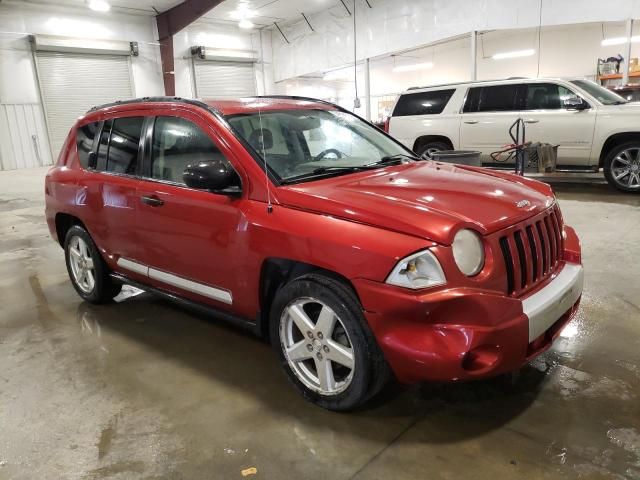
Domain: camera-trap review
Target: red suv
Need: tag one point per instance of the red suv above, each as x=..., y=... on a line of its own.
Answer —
x=305, y=223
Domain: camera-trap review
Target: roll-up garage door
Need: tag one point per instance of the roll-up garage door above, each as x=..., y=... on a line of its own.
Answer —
x=72, y=83
x=215, y=79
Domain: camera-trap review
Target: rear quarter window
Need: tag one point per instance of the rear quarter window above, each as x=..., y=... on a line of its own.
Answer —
x=422, y=103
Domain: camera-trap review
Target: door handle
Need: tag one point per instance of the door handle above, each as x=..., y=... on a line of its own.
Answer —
x=531, y=121
x=151, y=200
x=471, y=122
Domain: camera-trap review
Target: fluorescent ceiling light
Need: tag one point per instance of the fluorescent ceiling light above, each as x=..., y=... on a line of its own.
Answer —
x=514, y=54
x=99, y=5
x=618, y=40
x=242, y=11
x=412, y=67
x=244, y=23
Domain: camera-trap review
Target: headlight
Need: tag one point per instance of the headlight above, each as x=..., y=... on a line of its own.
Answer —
x=419, y=270
x=468, y=252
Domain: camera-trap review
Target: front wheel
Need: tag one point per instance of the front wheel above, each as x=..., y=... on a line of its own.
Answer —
x=622, y=167
x=324, y=343
x=427, y=150
x=87, y=270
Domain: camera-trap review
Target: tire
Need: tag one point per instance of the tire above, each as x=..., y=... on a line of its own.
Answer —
x=614, y=166
x=324, y=346
x=426, y=150
x=87, y=270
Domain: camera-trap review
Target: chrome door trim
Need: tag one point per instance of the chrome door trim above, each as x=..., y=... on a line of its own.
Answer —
x=133, y=266
x=203, y=289
x=191, y=286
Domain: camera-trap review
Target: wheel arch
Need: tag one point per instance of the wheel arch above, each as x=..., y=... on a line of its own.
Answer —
x=277, y=272
x=424, y=139
x=614, y=140
x=64, y=222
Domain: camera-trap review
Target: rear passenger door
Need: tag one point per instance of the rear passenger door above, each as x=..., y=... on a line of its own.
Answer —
x=191, y=239
x=111, y=185
x=487, y=114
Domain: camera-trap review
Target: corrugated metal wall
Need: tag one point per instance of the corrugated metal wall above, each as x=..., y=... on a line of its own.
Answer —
x=23, y=136
x=216, y=79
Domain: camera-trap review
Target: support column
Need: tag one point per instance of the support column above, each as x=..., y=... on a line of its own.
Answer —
x=474, y=55
x=627, y=57
x=168, y=72
x=367, y=91
x=171, y=22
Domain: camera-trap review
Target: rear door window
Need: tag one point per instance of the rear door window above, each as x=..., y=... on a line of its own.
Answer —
x=124, y=144
x=493, y=98
x=422, y=103
x=85, y=137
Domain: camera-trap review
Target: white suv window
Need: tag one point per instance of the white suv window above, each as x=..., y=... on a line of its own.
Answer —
x=422, y=103
x=547, y=96
x=493, y=98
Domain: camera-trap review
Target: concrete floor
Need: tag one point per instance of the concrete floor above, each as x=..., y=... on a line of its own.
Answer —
x=143, y=389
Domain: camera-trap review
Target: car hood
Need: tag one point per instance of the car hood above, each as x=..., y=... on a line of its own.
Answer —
x=631, y=108
x=425, y=199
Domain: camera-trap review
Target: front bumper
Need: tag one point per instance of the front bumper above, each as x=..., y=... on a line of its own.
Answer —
x=463, y=333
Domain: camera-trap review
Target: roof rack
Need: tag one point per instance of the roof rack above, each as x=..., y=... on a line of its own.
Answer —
x=466, y=83
x=131, y=101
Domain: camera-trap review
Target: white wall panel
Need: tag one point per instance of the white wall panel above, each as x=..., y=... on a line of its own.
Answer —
x=23, y=137
x=393, y=25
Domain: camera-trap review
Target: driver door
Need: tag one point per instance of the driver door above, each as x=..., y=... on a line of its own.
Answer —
x=189, y=238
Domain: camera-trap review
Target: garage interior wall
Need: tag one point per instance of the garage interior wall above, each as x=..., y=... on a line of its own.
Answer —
x=565, y=51
x=20, y=98
x=217, y=35
x=395, y=25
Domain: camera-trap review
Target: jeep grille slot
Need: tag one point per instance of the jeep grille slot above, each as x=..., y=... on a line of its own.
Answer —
x=508, y=263
x=532, y=251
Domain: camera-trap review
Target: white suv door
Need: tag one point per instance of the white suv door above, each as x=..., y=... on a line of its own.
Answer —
x=548, y=121
x=487, y=114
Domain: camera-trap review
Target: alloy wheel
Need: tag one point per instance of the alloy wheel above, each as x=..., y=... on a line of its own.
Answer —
x=429, y=152
x=82, y=267
x=316, y=346
x=625, y=168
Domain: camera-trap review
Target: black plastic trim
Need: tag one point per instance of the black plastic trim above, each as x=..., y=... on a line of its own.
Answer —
x=254, y=327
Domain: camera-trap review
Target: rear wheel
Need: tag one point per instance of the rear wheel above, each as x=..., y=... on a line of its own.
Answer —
x=622, y=167
x=324, y=343
x=426, y=150
x=87, y=270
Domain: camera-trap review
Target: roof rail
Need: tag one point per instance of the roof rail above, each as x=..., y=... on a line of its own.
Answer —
x=131, y=101
x=467, y=83
x=307, y=99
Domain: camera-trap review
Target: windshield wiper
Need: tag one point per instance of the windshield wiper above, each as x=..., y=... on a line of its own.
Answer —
x=321, y=171
x=393, y=159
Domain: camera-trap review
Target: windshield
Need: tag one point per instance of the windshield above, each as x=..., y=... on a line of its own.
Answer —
x=305, y=144
x=604, y=96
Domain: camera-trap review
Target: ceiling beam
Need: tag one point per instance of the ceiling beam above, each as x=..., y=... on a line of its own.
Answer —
x=171, y=22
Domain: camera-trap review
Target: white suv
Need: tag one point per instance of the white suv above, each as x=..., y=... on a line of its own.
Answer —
x=593, y=126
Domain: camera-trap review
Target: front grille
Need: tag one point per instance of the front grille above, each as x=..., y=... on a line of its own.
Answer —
x=532, y=251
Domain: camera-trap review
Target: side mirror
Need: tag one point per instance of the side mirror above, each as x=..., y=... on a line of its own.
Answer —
x=213, y=175
x=575, y=103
